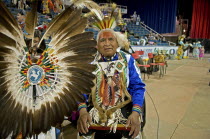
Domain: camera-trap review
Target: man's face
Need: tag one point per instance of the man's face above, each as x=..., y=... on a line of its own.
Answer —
x=20, y=18
x=107, y=44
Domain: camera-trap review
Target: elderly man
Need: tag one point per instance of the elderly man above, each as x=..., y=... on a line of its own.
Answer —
x=114, y=108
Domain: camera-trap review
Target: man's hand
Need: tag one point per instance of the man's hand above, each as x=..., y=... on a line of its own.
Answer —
x=83, y=121
x=135, y=122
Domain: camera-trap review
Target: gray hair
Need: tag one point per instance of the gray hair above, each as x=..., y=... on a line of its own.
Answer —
x=121, y=38
x=106, y=30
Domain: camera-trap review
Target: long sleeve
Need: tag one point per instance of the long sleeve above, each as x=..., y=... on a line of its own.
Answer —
x=83, y=104
x=136, y=87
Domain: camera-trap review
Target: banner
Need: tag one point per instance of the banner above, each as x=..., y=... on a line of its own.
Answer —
x=172, y=50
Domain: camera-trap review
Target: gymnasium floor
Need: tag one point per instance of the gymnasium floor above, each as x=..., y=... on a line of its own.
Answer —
x=182, y=99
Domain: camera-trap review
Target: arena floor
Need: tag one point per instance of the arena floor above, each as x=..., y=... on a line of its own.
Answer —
x=182, y=99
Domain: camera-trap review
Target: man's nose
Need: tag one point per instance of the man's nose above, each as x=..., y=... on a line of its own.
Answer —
x=107, y=42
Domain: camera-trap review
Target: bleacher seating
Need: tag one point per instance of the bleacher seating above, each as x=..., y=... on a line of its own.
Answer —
x=135, y=31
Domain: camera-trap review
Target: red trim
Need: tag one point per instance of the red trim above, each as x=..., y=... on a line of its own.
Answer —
x=108, y=128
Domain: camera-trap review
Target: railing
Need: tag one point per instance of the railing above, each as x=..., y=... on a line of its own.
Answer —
x=153, y=31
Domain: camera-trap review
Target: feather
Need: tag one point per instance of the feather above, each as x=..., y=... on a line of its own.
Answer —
x=78, y=59
x=7, y=21
x=5, y=50
x=64, y=28
x=5, y=114
x=80, y=86
x=86, y=3
x=5, y=106
x=86, y=67
x=81, y=72
x=55, y=111
x=51, y=116
x=16, y=120
x=55, y=24
x=74, y=93
x=30, y=123
x=13, y=122
x=23, y=121
x=31, y=20
x=37, y=121
x=43, y=121
x=83, y=83
x=75, y=29
x=6, y=40
x=78, y=45
x=47, y=118
x=7, y=28
x=62, y=105
x=79, y=37
x=76, y=38
x=87, y=50
x=69, y=102
x=95, y=14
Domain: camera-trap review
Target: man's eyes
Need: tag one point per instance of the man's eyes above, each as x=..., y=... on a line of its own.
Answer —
x=103, y=40
x=111, y=39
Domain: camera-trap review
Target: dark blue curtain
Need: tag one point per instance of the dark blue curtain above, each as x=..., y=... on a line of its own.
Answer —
x=159, y=15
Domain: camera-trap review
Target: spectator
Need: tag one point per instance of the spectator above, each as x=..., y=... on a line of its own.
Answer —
x=21, y=15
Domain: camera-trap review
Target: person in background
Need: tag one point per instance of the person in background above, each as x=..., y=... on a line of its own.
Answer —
x=180, y=52
x=34, y=50
x=202, y=50
x=134, y=17
x=21, y=15
x=142, y=41
x=138, y=20
x=196, y=46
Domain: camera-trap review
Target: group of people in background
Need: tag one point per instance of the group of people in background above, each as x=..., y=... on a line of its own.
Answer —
x=198, y=49
x=135, y=18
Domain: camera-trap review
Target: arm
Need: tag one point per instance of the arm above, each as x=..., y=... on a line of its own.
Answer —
x=84, y=118
x=137, y=89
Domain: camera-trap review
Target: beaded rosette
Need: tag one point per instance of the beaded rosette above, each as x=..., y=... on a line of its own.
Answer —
x=40, y=76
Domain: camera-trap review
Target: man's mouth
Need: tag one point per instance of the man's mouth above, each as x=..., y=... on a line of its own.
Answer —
x=107, y=49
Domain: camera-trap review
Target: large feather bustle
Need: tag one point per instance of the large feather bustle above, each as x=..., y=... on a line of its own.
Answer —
x=29, y=116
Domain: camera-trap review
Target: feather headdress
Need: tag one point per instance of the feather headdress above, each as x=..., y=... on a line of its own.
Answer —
x=112, y=17
x=37, y=95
